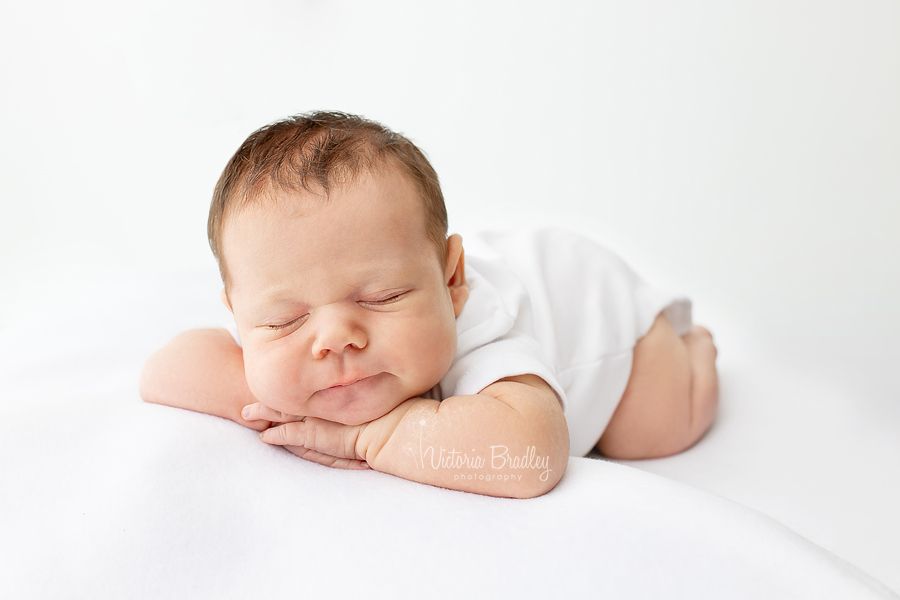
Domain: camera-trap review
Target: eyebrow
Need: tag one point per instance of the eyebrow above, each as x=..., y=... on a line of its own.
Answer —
x=272, y=296
x=281, y=293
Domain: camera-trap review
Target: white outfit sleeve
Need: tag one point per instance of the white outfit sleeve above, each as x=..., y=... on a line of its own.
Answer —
x=493, y=336
x=511, y=355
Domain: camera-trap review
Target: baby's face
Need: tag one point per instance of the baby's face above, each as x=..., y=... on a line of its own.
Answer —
x=343, y=306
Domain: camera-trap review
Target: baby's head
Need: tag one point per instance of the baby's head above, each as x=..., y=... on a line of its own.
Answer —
x=331, y=236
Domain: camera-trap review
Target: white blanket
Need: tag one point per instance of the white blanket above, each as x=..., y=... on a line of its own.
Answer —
x=104, y=496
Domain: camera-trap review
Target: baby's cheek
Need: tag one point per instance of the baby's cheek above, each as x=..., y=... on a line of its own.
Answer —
x=257, y=383
x=435, y=352
x=261, y=379
x=274, y=387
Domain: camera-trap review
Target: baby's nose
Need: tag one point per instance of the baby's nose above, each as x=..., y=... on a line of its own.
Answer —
x=336, y=332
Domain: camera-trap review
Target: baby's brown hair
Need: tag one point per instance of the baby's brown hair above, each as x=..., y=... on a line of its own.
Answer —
x=320, y=150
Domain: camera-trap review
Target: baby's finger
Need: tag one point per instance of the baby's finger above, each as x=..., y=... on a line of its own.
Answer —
x=260, y=412
x=320, y=435
x=328, y=461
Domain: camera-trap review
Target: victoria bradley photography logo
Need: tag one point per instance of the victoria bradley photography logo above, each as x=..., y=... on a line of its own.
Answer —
x=499, y=459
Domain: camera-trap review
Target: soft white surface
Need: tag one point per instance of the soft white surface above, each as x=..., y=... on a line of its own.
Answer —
x=107, y=497
x=745, y=152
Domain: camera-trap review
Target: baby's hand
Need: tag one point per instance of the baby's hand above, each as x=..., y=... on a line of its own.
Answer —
x=260, y=412
x=317, y=440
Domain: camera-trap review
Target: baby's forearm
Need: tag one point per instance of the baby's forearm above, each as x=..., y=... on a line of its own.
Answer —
x=203, y=371
x=476, y=444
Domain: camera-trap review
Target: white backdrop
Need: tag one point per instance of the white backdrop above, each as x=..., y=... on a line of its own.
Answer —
x=747, y=153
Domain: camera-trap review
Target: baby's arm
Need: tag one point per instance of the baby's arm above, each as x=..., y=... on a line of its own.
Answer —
x=509, y=440
x=200, y=370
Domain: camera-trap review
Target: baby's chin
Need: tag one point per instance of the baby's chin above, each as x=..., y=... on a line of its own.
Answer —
x=361, y=415
x=352, y=405
x=373, y=399
x=353, y=415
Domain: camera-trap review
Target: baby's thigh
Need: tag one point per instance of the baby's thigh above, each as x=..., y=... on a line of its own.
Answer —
x=654, y=416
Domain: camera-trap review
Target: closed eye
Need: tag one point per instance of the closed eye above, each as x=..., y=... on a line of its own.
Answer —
x=286, y=325
x=384, y=301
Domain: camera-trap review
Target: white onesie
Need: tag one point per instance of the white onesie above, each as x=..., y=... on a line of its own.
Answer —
x=560, y=306
x=557, y=305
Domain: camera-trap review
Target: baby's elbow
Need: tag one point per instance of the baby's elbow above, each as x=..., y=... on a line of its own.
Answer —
x=544, y=472
x=158, y=378
x=164, y=373
x=541, y=480
x=148, y=385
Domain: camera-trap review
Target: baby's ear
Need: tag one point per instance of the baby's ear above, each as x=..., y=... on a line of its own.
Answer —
x=455, y=273
x=226, y=302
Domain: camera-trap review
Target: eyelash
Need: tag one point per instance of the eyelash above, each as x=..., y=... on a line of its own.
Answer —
x=389, y=300
x=283, y=325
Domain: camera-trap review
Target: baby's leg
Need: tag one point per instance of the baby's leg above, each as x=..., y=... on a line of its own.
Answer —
x=671, y=397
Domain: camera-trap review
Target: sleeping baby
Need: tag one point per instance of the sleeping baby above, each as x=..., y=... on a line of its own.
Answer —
x=365, y=337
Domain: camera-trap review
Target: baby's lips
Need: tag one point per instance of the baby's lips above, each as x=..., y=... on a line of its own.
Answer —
x=348, y=382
